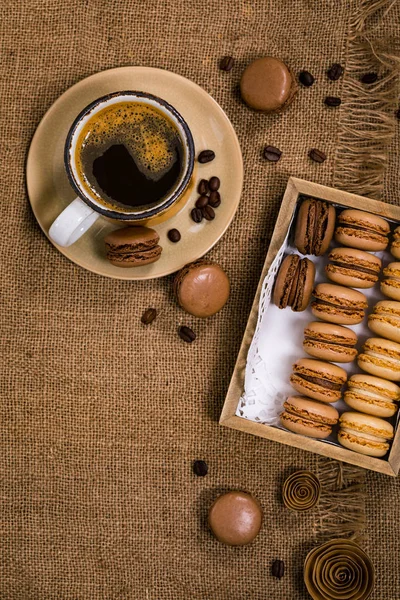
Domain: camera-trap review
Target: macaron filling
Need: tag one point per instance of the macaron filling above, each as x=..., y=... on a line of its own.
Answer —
x=330, y=385
x=351, y=397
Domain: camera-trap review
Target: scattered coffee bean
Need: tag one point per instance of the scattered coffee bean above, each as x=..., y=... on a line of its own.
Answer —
x=306, y=78
x=317, y=155
x=335, y=72
x=215, y=199
x=196, y=215
x=397, y=114
x=369, y=78
x=200, y=468
x=208, y=213
x=186, y=334
x=214, y=184
x=226, y=63
x=202, y=188
x=278, y=569
x=202, y=201
x=272, y=154
x=148, y=316
x=333, y=101
x=206, y=156
x=174, y=235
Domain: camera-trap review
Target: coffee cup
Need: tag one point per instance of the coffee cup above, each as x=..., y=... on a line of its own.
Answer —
x=129, y=156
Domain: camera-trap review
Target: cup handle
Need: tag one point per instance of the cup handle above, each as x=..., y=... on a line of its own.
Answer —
x=72, y=223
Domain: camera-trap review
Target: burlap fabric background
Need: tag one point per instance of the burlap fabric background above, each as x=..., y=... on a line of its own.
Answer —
x=101, y=418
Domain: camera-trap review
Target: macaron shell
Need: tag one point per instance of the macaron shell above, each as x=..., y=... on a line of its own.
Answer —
x=334, y=314
x=329, y=332
x=138, y=238
x=202, y=288
x=361, y=445
x=329, y=352
x=385, y=326
x=310, y=410
x=267, y=85
x=313, y=390
x=361, y=218
x=370, y=406
x=235, y=518
x=395, y=249
x=356, y=238
x=304, y=426
x=374, y=386
x=390, y=287
x=349, y=278
x=324, y=228
x=367, y=425
x=381, y=358
x=305, y=225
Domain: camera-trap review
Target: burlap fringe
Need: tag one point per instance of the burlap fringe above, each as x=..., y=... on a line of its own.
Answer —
x=367, y=115
x=341, y=509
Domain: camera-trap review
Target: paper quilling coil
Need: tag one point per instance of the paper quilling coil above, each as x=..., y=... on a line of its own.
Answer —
x=301, y=491
x=339, y=569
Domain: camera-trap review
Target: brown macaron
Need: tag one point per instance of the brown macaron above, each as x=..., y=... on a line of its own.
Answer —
x=294, y=283
x=308, y=417
x=132, y=247
x=338, y=304
x=372, y=395
x=395, y=245
x=390, y=286
x=318, y=379
x=268, y=85
x=385, y=320
x=202, y=288
x=315, y=224
x=235, y=518
x=353, y=268
x=381, y=358
x=362, y=230
x=327, y=341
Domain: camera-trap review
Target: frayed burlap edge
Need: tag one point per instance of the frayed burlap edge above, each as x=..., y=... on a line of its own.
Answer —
x=366, y=128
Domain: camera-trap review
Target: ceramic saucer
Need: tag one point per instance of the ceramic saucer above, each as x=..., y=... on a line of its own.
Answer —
x=49, y=191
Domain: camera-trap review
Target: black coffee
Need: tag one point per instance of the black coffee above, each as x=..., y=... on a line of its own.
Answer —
x=130, y=155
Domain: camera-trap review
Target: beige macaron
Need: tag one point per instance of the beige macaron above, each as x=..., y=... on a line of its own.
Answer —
x=385, y=320
x=365, y=434
x=372, y=395
x=381, y=358
x=308, y=417
x=390, y=286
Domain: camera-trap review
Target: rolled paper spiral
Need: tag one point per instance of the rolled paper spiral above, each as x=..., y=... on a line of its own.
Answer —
x=301, y=491
x=339, y=569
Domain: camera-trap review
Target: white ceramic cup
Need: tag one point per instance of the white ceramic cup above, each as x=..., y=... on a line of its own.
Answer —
x=80, y=215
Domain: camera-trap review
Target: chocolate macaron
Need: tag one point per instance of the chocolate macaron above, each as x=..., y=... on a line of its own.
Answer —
x=390, y=286
x=353, y=268
x=308, y=417
x=381, y=358
x=202, y=288
x=385, y=320
x=132, y=247
x=331, y=342
x=372, y=395
x=362, y=230
x=338, y=304
x=395, y=245
x=365, y=434
x=315, y=225
x=268, y=85
x=318, y=379
x=235, y=518
x=294, y=283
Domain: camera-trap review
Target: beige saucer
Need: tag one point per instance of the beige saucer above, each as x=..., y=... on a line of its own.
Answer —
x=49, y=190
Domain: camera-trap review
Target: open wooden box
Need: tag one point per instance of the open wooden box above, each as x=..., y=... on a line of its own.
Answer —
x=389, y=464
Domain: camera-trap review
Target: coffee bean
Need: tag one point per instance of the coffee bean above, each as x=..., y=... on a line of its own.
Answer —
x=202, y=188
x=208, y=213
x=196, y=215
x=317, y=155
x=278, y=569
x=202, y=201
x=306, y=78
x=214, y=184
x=215, y=199
x=148, y=316
x=369, y=78
x=397, y=113
x=174, y=235
x=335, y=72
x=272, y=154
x=200, y=468
x=332, y=101
x=226, y=63
x=186, y=334
x=206, y=156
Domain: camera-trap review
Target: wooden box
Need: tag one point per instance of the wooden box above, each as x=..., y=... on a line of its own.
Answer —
x=389, y=464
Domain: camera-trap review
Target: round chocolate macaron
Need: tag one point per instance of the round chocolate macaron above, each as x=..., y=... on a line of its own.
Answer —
x=202, y=288
x=381, y=358
x=315, y=224
x=372, y=395
x=385, y=320
x=235, y=518
x=318, y=379
x=365, y=434
x=132, y=246
x=338, y=304
x=390, y=286
x=353, y=268
x=308, y=417
x=362, y=230
x=395, y=245
x=268, y=85
x=331, y=342
x=294, y=283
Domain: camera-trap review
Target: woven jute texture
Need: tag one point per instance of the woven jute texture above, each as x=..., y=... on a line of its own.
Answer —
x=101, y=417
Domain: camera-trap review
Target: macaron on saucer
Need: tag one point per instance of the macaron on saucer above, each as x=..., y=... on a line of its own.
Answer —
x=50, y=192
